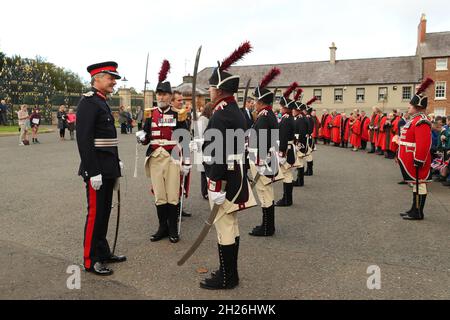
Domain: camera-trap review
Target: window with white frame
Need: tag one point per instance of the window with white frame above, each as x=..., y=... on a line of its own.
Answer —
x=441, y=64
x=440, y=89
x=318, y=94
x=382, y=94
x=439, y=112
x=406, y=93
x=338, y=95
x=360, y=94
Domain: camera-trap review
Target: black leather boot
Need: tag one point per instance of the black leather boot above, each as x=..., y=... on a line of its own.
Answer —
x=300, y=181
x=163, y=230
x=226, y=277
x=417, y=214
x=309, y=169
x=267, y=228
x=173, y=223
x=284, y=202
x=289, y=189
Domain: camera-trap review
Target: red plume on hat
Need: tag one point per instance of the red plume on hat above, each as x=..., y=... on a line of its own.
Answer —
x=314, y=99
x=237, y=55
x=269, y=77
x=298, y=94
x=289, y=90
x=425, y=84
x=165, y=68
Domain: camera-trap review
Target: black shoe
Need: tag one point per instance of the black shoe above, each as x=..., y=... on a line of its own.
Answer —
x=159, y=235
x=286, y=201
x=174, y=239
x=185, y=214
x=100, y=269
x=402, y=182
x=115, y=259
x=417, y=213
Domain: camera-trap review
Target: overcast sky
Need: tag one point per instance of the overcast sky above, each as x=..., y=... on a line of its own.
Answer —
x=74, y=34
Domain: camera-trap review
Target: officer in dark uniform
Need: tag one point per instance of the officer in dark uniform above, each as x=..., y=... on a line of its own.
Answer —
x=301, y=132
x=228, y=187
x=287, y=152
x=100, y=165
x=262, y=154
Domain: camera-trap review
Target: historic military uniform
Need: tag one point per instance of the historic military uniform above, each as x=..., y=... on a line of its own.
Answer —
x=287, y=150
x=228, y=187
x=100, y=164
x=301, y=133
x=414, y=155
x=164, y=160
x=263, y=156
x=310, y=140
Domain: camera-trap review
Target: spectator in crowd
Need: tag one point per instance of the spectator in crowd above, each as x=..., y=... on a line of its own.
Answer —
x=62, y=122
x=129, y=120
x=3, y=112
x=123, y=120
x=139, y=117
x=71, y=121
x=202, y=123
x=355, y=128
x=35, y=122
x=24, y=125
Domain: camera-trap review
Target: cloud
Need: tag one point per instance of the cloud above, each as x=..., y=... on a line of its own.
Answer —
x=75, y=34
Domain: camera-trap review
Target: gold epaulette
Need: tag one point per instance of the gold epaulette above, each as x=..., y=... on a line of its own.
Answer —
x=148, y=113
x=89, y=94
x=182, y=114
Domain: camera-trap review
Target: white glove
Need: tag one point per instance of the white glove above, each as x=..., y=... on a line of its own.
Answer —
x=117, y=184
x=261, y=170
x=282, y=160
x=193, y=146
x=217, y=197
x=443, y=138
x=185, y=169
x=140, y=136
x=121, y=165
x=96, y=182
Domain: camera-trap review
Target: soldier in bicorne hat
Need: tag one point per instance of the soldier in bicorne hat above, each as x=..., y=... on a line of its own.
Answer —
x=262, y=154
x=165, y=160
x=287, y=151
x=414, y=155
x=225, y=167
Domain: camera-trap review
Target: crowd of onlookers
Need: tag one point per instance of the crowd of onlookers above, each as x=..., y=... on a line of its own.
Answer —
x=128, y=119
x=358, y=129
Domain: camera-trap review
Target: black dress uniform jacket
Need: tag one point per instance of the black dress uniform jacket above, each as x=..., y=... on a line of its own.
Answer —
x=265, y=122
x=287, y=134
x=310, y=121
x=301, y=129
x=228, y=116
x=95, y=121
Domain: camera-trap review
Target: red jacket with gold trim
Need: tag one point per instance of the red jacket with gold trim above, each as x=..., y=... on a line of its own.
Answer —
x=414, y=145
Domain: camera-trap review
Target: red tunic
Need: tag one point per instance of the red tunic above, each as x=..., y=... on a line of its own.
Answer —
x=316, y=130
x=394, y=131
x=381, y=134
x=355, y=139
x=376, y=125
x=336, y=129
x=365, y=129
x=414, y=145
x=326, y=131
x=346, y=130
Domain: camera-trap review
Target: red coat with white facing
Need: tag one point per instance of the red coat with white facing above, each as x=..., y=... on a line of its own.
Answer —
x=414, y=145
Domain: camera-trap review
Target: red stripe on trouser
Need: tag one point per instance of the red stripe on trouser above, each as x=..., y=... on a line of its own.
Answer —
x=90, y=226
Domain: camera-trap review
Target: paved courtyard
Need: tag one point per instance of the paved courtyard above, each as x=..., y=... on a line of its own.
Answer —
x=344, y=220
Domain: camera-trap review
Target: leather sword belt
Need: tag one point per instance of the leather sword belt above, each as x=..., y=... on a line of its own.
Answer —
x=106, y=142
x=163, y=142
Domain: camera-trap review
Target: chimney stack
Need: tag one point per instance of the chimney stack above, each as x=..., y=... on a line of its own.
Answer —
x=422, y=30
x=333, y=53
